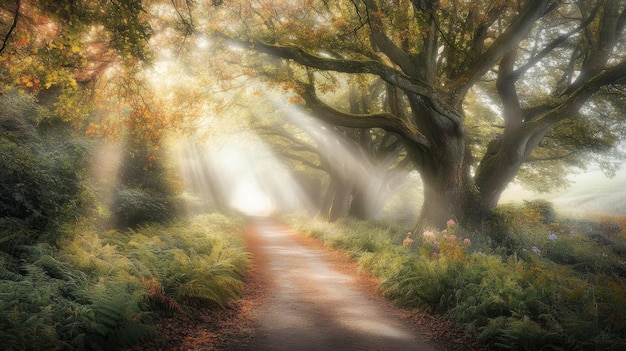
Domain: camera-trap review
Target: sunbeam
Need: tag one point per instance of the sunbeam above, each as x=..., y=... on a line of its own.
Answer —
x=370, y=177
x=243, y=175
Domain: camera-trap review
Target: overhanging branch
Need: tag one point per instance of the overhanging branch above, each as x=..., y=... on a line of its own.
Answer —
x=383, y=120
x=365, y=66
x=13, y=26
x=505, y=43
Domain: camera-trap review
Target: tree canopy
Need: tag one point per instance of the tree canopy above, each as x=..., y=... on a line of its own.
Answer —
x=550, y=75
x=477, y=94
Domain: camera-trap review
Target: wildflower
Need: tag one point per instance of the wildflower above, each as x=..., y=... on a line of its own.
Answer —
x=428, y=235
x=536, y=250
x=467, y=241
x=552, y=237
x=435, y=255
x=451, y=222
x=452, y=237
x=408, y=241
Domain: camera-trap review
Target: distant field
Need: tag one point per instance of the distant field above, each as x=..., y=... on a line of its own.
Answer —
x=592, y=193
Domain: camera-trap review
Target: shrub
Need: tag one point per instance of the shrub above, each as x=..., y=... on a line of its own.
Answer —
x=516, y=228
x=202, y=259
x=100, y=289
x=563, y=295
x=133, y=207
x=40, y=176
x=49, y=305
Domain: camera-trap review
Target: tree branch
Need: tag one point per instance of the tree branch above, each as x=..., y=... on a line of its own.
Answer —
x=13, y=26
x=505, y=43
x=554, y=44
x=383, y=120
x=602, y=43
x=572, y=103
x=390, y=75
x=386, y=45
x=512, y=110
x=300, y=159
x=280, y=132
x=551, y=158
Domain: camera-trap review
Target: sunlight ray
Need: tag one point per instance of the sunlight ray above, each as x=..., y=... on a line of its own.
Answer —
x=243, y=175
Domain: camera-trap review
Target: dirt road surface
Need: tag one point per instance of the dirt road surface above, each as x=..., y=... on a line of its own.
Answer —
x=310, y=304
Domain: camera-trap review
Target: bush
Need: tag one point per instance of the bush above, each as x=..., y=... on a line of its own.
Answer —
x=133, y=207
x=563, y=295
x=105, y=290
x=40, y=177
x=514, y=228
x=201, y=259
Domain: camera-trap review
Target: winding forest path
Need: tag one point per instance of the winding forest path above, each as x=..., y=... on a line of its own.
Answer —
x=311, y=302
x=301, y=295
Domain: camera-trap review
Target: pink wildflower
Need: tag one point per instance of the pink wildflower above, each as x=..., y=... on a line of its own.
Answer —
x=428, y=235
x=451, y=222
x=467, y=241
x=435, y=255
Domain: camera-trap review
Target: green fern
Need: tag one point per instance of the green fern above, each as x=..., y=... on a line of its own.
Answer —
x=116, y=316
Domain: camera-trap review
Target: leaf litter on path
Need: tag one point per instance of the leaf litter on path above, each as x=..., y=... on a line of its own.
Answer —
x=302, y=295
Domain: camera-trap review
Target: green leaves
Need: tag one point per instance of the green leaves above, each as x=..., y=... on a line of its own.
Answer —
x=102, y=291
x=525, y=300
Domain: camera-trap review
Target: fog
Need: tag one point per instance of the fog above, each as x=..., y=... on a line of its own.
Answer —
x=591, y=193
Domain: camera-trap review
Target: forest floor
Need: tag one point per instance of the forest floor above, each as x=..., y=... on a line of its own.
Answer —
x=301, y=295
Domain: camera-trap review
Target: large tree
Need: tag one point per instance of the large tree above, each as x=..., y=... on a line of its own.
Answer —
x=360, y=168
x=551, y=68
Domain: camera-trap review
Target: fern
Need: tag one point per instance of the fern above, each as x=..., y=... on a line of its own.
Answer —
x=116, y=316
x=156, y=293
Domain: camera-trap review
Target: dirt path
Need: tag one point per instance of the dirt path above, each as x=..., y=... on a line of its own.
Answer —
x=300, y=295
x=310, y=304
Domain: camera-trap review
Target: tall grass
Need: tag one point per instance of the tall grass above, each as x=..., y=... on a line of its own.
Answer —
x=104, y=290
x=534, y=282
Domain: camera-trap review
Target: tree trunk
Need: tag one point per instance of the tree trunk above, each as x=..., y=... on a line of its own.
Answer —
x=444, y=166
x=368, y=199
x=337, y=201
x=444, y=199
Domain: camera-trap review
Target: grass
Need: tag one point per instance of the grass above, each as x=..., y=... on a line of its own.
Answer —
x=531, y=281
x=94, y=288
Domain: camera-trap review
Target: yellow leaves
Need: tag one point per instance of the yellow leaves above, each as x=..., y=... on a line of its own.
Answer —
x=340, y=24
x=296, y=99
x=31, y=82
x=326, y=88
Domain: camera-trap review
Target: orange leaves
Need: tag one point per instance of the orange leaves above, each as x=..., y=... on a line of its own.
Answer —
x=340, y=24
x=106, y=129
x=31, y=82
x=22, y=42
x=156, y=294
x=292, y=86
x=296, y=99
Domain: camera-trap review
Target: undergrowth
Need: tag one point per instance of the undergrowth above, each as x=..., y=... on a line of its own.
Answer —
x=534, y=282
x=101, y=291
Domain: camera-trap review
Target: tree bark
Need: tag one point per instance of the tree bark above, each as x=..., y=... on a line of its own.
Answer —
x=337, y=202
